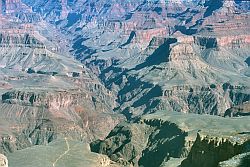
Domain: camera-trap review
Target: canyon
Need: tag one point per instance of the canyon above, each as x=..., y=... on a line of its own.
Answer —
x=125, y=83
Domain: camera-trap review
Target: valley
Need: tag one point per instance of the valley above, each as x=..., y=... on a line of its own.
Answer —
x=125, y=83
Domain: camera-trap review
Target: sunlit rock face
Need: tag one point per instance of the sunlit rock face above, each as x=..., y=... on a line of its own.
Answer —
x=45, y=94
x=72, y=72
x=175, y=139
x=207, y=45
x=3, y=160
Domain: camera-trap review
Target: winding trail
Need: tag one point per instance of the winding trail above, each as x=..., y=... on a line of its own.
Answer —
x=66, y=152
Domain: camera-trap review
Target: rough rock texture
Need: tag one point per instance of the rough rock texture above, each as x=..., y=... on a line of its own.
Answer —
x=136, y=57
x=211, y=150
x=143, y=144
x=46, y=94
x=240, y=110
x=156, y=139
x=41, y=126
x=158, y=49
x=241, y=160
x=3, y=161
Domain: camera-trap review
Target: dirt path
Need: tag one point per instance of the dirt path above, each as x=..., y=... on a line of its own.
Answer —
x=61, y=156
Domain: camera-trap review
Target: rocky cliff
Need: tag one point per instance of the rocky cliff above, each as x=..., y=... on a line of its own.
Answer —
x=182, y=53
x=47, y=95
x=238, y=160
x=133, y=58
x=158, y=138
x=240, y=110
x=53, y=100
x=212, y=150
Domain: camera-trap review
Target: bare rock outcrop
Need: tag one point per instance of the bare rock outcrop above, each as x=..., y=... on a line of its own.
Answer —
x=45, y=94
x=51, y=100
x=212, y=150
x=138, y=144
x=240, y=110
x=156, y=139
x=3, y=161
x=184, y=56
x=223, y=41
x=16, y=38
x=238, y=160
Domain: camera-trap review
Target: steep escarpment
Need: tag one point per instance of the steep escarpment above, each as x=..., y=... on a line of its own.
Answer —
x=189, y=75
x=160, y=55
x=240, y=110
x=137, y=58
x=54, y=100
x=210, y=99
x=36, y=100
x=122, y=144
x=26, y=126
x=228, y=41
x=212, y=150
x=46, y=95
x=29, y=51
x=38, y=116
x=19, y=39
x=180, y=72
x=238, y=160
x=157, y=139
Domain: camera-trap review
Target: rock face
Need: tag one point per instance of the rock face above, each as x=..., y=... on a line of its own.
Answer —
x=3, y=161
x=14, y=6
x=177, y=72
x=211, y=150
x=139, y=144
x=45, y=94
x=157, y=138
x=239, y=160
x=240, y=110
x=132, y=58
x=52, y=101
x=18, y=40
x=199, y=77
x=121, y=144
